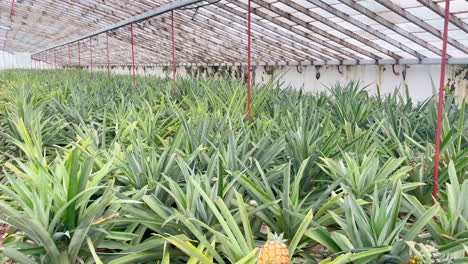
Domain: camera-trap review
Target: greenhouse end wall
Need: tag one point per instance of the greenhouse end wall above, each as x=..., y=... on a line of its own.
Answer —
x=9, y=60
x=422, y=80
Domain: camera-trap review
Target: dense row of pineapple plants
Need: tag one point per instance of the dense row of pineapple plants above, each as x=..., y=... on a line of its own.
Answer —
x=98, y=171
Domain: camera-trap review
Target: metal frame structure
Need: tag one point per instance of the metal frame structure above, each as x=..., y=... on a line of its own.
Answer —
x=284, y=32
x=132, y=20
x=435, y=185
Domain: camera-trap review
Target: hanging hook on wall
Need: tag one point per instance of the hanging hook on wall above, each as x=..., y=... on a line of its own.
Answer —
x=394, y=72
x=299, y=68
x=339, y=69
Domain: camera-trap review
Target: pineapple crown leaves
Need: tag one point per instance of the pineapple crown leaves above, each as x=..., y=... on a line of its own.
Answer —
x=276, y=237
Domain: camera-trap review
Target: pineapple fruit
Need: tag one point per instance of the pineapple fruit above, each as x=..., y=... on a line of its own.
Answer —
x=415, y=260
x=274, y=251
x=432, y=254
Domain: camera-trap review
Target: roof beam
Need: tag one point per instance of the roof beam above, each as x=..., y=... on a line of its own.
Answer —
x=261, y=44
x=441, y=12
x=308, y=26
x=268, y=29
x=230, y=22
x=340, y=52
x=341, y=29
x=135, y=19
x=214, y=34
x=420, y=23
x=361, y=9
x=231, y=38
x=43, y=18
x=311, y=38
x=366, y=28
x=118, y=13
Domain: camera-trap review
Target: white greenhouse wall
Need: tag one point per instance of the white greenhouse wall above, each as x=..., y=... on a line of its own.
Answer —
x=420, y=79
x=15, y=60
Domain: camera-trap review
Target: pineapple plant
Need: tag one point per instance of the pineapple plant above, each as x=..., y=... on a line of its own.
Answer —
x=162, y=170
x=274, y=251
x=427, y=254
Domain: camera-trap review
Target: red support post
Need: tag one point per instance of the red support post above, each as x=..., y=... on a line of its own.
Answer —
x=107, y=48
x=79, y=59
x=7, y=31
x=249, y=53
x=11, y=8
x=91, y=56
x=55, y=59
x=435, y=186
x=133, y=55
x=173, y=51
x=69, y=57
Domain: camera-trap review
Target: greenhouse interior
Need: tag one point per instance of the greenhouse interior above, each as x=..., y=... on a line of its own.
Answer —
x=233, y=131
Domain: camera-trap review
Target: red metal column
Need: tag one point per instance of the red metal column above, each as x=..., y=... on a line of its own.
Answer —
x=91, y=56
x=435, y=187
x=173, y=51
x=107, y=47
x=11, y=8
x=69, y=57
x=7, y=31
x=249, y=53
x=79, y=59
x=133, y=55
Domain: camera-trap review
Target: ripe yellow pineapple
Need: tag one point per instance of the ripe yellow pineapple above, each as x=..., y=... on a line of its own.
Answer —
x=415, y=260
x=274, y=251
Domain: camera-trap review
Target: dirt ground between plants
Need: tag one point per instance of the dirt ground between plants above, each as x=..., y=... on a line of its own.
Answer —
x=3, y=232
x=3, y=235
